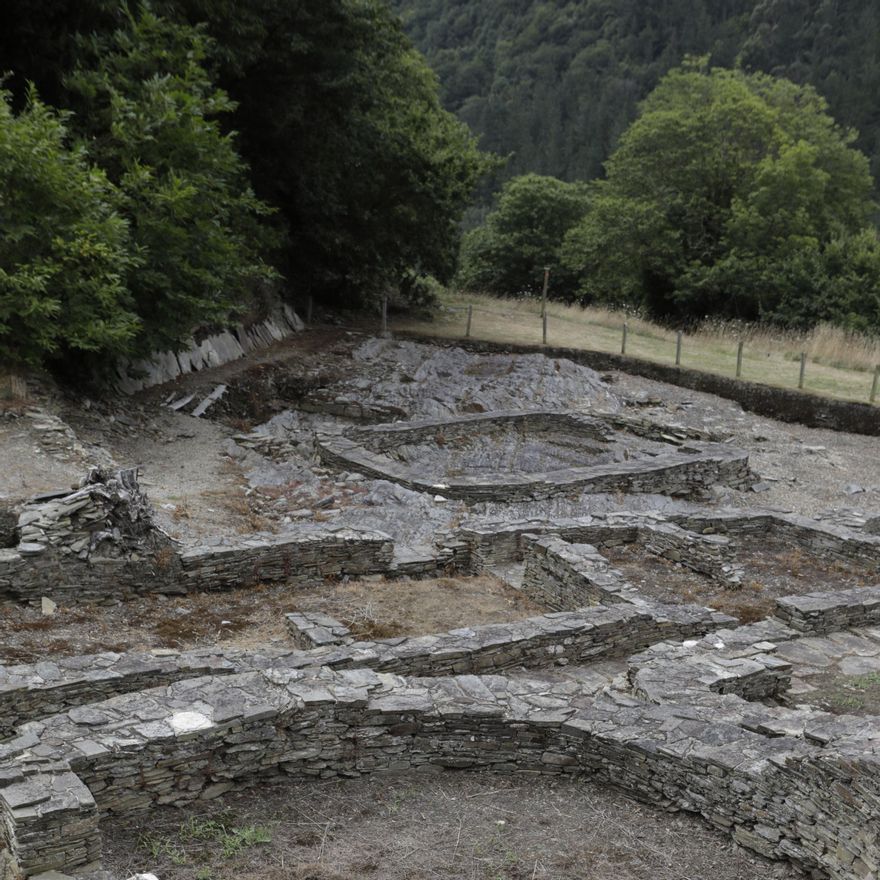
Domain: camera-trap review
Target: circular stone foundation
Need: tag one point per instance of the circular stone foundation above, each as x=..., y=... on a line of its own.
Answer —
x=513, y=456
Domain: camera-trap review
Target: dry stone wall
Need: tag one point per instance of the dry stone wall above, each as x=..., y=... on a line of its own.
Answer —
x=211, y=351
x=566, y=575
x=685, y=733
x=99, y=543
x=689, y=723
x=825, y=539
x=706, y=542
x=689, y=471
x=29, y=692
x=306, y=556
x=818, y=613
x=199, y=738
x=314, y=629
x=49, y=818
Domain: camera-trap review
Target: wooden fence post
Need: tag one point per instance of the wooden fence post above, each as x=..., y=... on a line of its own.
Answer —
x=544, y=292
x=739, y=359
x=467, y=331
x=678, y=349
x=803, y=370
x=875, y=383
x=544, y=328
x=623, y=341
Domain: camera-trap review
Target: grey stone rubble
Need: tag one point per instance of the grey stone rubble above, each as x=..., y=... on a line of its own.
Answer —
x=208, y=401
x=54, y=436
x=412, y=380
x=313, y=629
x=108, y=513
x=841, y=655
x=212, y=351
x=851, y=519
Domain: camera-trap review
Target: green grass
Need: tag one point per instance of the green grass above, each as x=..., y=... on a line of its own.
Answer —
x=839, y=364
x=201, y=840
x=849, y=693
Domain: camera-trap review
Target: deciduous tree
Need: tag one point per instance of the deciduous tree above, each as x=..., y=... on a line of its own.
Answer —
x=521, y=235
x=64, y=248
x=720, y=195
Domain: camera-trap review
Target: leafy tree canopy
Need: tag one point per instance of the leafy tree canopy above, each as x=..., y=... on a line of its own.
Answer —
x=64, y=248
x=149, y=113
x=322, y=106
x=732, y=194
x=507, y=254
x=341, y=121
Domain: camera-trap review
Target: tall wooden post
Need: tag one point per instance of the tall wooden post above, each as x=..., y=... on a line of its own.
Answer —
x=467, y=331
x=544, y=292
x=678, y=349
x=875, y=383
x=803, y=370
x=623, y=341
x=739, y=359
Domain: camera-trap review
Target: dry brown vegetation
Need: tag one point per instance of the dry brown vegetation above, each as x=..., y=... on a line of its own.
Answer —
x=771, y=569
x=840, y=363
x=253, y=617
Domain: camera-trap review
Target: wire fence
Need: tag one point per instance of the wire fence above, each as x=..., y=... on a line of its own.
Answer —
x=734, y=357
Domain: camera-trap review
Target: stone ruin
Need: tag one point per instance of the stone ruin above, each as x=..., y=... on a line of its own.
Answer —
x=677, y=704
x=511, y=456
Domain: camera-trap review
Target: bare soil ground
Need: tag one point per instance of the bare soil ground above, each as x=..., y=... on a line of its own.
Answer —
x=410, y=827
x=254, y=617
x=771, y=570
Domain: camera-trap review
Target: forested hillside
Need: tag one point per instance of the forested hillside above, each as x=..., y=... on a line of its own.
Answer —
x=556, y=82
x=162, y=165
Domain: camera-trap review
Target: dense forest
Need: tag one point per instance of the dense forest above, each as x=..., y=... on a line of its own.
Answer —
x=554, y=83
x=165, y=165
x=689, y=159
x=174, y=164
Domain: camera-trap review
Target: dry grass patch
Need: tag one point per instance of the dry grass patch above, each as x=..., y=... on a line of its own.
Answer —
x=840, y=362
x=771, y=568
x=381, y=608
x=253, y=617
